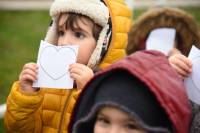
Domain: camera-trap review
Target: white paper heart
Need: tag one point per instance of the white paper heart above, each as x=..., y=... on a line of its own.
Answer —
x=56, y=55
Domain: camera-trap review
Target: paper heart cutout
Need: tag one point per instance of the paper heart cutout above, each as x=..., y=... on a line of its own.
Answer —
x=195, y=65
x=59, y=56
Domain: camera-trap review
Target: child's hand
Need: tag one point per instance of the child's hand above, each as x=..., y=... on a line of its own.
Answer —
x=81, y=74
x=27, y=76
x=181, y=64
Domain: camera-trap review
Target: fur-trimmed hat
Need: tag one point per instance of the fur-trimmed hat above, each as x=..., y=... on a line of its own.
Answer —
x=187, y=33
x=96, y=10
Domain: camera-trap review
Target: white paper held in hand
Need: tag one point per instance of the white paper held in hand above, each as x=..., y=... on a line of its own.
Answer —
x=192, y=83
x=53, y=62
x=161, y=39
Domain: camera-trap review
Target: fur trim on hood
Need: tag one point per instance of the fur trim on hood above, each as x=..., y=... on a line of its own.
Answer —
x=185, y=25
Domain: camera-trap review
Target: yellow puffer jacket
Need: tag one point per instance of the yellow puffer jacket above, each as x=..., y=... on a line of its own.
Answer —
x=49, y=110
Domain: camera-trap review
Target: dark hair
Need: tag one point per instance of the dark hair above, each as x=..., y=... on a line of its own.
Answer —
x=72, y=23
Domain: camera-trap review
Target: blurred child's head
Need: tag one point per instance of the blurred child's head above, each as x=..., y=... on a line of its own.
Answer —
x=187, y=31
x=80, y=22
x=129, y=97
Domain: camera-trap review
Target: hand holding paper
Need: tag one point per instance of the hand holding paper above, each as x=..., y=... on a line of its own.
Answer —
x=53, y=62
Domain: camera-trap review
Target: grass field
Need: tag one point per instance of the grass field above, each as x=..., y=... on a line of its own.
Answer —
x=20, y=35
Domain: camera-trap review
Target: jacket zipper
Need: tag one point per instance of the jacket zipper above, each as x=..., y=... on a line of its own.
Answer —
x=64, y=110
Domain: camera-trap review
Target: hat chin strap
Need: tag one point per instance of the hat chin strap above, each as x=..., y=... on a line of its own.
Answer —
x=96, y=55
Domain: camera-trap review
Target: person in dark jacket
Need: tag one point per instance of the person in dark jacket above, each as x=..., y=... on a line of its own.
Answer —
x=138, y=94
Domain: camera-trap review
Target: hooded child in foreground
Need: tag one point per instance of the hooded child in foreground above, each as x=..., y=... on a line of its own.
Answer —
x=139, y=94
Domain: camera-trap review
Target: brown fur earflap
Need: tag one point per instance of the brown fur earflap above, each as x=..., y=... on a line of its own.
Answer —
x=187, y=32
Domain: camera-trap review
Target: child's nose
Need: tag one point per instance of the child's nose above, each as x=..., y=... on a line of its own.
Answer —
x=114, y=129
x=67, y=39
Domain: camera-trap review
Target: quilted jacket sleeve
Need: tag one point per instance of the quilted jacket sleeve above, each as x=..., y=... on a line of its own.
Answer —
x=23, y=111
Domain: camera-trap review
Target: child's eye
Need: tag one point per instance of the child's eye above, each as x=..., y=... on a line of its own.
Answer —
x=130, y=126
x=61, y=33
x=103, y=120
x=79, y=35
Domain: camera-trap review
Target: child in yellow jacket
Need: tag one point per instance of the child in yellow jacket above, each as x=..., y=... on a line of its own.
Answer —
x=100, y=29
